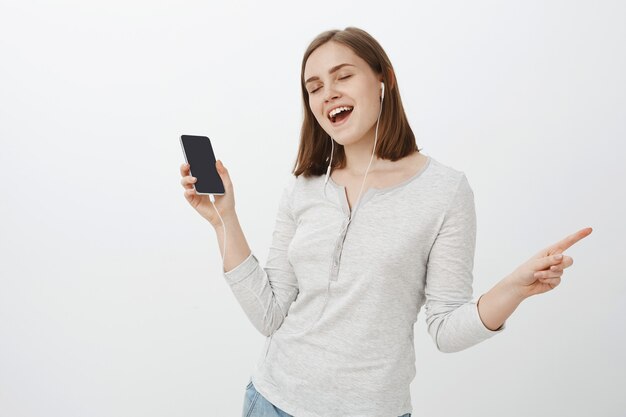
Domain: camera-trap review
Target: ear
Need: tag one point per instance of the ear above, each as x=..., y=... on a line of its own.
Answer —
x=391, y=79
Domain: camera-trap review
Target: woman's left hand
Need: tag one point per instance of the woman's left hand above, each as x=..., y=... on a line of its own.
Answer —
x=542, y=272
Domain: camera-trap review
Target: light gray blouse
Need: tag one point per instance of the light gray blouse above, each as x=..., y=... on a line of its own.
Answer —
x=340, y=291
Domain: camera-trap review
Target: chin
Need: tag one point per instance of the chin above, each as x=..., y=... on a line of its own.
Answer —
x=342, y=140
x=344, y=137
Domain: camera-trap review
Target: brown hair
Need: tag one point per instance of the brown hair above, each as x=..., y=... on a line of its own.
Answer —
x=396, y=139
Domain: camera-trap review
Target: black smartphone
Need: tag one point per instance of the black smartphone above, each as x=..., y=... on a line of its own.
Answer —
x=201, y=159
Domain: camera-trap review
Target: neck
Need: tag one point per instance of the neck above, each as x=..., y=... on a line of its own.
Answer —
x=359, y=153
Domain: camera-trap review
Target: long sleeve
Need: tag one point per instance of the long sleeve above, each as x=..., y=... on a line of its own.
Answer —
x=452, y=318
x=265, y=294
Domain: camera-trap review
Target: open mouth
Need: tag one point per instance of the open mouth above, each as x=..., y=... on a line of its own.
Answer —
x=341, y=116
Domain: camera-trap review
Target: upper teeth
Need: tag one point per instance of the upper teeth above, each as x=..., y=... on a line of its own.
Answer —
x=334, y=112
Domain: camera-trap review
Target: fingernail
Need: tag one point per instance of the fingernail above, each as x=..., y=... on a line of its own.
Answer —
x=557, y=257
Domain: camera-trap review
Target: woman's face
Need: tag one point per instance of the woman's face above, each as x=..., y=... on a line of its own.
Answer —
x=354, y=85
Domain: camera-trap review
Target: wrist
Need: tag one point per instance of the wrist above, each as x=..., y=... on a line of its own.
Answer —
x=229, y=218
x=517, y=291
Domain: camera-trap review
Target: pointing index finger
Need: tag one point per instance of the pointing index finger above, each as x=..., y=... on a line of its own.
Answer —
x=569, y=241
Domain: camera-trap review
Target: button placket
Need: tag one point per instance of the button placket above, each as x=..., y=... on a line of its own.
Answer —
x=338, y=250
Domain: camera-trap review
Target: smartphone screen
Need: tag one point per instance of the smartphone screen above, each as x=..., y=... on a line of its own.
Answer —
x=201, y=159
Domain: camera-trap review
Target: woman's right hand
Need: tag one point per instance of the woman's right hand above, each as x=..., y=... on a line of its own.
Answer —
x=202, y=203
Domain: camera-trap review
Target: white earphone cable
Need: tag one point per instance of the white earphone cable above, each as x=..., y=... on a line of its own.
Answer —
x=342, y=230
x=212, y=198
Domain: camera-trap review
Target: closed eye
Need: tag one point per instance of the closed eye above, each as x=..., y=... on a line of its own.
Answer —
x=342, y=78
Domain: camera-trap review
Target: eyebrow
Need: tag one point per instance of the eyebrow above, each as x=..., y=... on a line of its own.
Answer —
x=333, y=69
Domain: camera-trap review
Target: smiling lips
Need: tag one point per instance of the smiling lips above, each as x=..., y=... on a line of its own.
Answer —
x=340, y=114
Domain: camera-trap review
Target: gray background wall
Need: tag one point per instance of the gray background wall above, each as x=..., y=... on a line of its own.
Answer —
x=112, y=301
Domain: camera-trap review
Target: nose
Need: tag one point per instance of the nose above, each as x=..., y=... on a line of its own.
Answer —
x=330, y=94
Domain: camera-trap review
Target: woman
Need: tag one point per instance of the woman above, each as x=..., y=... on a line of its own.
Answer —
x=368, y=231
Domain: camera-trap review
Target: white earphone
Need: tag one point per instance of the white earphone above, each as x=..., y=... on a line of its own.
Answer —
x=352, y=214
x=382, y=96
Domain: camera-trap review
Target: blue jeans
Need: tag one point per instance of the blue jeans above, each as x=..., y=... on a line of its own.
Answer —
x=256, y=405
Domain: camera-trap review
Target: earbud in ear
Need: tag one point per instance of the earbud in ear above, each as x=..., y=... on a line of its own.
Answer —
x=382, y=95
